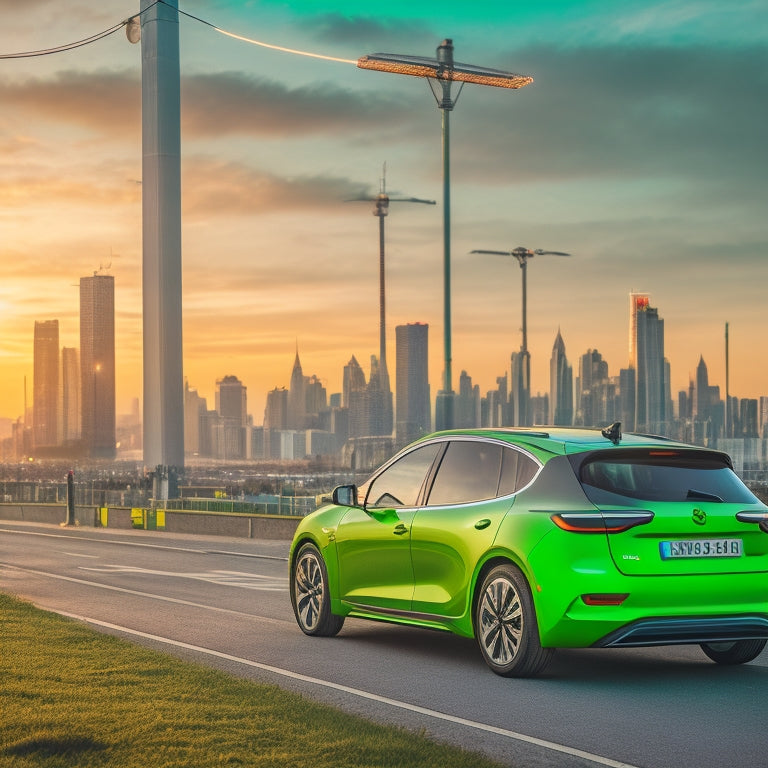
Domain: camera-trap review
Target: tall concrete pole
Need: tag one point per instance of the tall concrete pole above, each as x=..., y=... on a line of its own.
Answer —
x=161, y=212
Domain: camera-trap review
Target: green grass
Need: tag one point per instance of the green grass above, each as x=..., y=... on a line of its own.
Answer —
x=72, y=697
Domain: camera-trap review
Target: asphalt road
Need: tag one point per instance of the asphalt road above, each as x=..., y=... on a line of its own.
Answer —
x=225, y=602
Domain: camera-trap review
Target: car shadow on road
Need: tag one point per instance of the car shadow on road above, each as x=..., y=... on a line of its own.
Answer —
x=640, y=667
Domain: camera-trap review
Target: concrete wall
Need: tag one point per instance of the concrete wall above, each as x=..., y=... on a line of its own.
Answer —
x=203, y=523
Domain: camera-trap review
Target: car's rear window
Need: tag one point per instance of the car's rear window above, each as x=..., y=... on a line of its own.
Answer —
x=662, y=476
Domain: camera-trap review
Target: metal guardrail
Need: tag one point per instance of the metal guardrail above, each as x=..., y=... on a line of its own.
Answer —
x=27, y=492
x=289, y=506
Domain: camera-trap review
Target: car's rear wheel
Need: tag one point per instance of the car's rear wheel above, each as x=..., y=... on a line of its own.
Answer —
x=310, y=594
x=734, y=652
x=505, y=624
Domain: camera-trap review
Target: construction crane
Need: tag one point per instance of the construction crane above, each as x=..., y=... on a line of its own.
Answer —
x=381, y=210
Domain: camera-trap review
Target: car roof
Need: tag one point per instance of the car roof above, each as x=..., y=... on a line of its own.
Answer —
x=562, y=440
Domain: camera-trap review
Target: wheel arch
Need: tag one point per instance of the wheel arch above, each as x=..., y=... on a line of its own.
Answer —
x=327, y=552
x=490, y=561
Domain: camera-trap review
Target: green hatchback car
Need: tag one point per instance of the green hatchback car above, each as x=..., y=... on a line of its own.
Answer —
x=534, y=539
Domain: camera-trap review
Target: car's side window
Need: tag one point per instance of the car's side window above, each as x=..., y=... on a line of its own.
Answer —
x=469, y=471
x=400, y=483
x=517, y=470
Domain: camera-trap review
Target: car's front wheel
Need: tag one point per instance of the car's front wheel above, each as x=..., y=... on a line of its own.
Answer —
x=734, y=652
x=505, y=624
x=310, y=594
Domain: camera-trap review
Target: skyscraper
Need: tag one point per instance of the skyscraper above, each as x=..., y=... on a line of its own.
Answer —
x=45, y=387
x=467, y=411
x=297, y=399
x=97, y=364
x=647, y=345
x=353, y=381
x=231, y=400
x=412, y=406
x=560, y=385
x=702, y=396
x=70, y=395
x=520, y=389
x=232, y=410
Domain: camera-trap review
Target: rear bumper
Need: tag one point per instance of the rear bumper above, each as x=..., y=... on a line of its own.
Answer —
x=687, y=630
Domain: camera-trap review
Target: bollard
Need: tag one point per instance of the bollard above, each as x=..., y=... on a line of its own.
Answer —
x=70, y=499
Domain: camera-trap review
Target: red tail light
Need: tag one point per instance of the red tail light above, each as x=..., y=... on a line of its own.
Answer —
x=606, y=521
x=605, y=599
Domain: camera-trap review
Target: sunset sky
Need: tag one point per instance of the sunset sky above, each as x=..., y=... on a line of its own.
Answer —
x=640, y=148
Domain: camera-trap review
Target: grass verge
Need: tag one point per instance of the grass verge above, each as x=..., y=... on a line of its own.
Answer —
x=72, y=697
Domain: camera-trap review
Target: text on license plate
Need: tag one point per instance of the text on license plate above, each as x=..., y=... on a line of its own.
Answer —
x=701, y=548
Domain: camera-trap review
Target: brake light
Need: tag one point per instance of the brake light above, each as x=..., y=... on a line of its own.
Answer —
x=605, y=599
x=606, y=521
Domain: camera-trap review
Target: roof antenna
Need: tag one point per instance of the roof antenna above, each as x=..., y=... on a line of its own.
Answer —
x=613, y=433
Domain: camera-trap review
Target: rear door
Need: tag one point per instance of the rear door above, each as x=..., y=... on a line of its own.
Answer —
x=471, y=494
x=705, y=520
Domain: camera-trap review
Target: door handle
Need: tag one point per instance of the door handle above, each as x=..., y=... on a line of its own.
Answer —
x=399, y=529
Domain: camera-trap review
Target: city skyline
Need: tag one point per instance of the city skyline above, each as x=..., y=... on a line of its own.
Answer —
x=620, y=152
x=538, y=388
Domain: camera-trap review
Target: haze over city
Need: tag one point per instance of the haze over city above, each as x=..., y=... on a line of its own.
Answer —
x=638, y=149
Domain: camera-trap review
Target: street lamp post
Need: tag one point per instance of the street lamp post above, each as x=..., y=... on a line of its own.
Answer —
x=441, y=72
x=521, y=377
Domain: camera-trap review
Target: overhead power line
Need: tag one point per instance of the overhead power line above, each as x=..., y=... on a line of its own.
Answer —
x=125, y=22
x=266, y=45
x=76, y=44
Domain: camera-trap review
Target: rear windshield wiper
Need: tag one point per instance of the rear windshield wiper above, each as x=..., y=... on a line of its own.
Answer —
x=703, y=495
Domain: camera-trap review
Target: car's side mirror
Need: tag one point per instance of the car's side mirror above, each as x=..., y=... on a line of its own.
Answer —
x=345, y=495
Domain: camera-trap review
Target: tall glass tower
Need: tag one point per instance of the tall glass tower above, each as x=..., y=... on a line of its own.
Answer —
x=45, y=387
x=560, y=386
x=413, y=409
x=647, y=346
x=97, y=365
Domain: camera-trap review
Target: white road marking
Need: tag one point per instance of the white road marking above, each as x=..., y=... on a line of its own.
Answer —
x=122, y=542
x=163, y=598
x=224, y=578
x=360, y=693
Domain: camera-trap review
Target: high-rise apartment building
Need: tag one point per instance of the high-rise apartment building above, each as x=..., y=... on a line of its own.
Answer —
x=231, y=400
x=276, y=410
x=412, y=403
x=45, y=387
x=232, y=410
x=560, y=386
x=97, y=364
x=71, y=416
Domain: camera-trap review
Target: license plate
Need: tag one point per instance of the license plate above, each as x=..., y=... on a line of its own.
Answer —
x=700, y=548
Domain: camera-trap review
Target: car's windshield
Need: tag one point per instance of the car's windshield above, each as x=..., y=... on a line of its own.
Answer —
x=668, y=476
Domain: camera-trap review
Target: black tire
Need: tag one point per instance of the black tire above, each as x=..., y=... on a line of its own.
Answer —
x=505, y=624
x=310, y=595
x=734, y=651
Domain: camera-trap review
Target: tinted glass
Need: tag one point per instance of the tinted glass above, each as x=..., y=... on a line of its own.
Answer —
x=517, y=470
x=399, y=484
x=469, y=471
x=663, y=478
